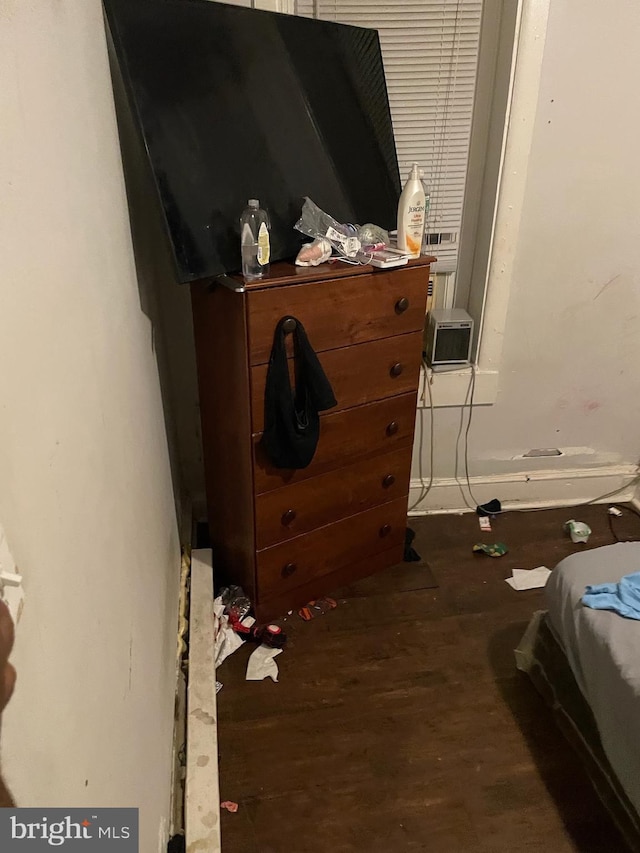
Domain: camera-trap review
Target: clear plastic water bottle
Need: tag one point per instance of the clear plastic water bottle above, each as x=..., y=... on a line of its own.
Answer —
x=254, y=240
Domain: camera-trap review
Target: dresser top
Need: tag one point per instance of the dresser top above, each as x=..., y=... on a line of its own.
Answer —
x=285, y=272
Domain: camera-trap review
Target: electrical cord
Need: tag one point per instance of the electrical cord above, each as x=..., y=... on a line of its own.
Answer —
x=633, y=481
x=468, y=396
x=427, y=386
x=469, y=400
x=424, y=492
x=431, y=435
x=466, y=434
x=612, y=528
x=623, y=488
x=629, y=507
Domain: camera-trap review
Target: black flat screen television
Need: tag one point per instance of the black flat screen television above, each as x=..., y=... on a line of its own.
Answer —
x=237, y=103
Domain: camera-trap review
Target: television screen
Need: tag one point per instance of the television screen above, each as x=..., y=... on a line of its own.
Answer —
x=237, y=103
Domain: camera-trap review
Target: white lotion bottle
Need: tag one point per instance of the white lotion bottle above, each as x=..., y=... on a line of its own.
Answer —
x=411, y=214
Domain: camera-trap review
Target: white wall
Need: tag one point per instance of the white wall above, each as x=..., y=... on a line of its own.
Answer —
x=569, y=375
x=85, y=489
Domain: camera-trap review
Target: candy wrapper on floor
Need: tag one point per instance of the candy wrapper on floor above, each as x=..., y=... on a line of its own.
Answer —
x=495, y=550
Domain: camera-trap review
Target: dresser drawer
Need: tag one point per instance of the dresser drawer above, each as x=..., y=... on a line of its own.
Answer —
x=358, y=374
x=293, y=510
x=344, y=438
x=321, y=552
x=340, y=312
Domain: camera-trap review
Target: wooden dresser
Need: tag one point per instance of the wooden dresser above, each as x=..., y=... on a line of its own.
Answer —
x=288, y=536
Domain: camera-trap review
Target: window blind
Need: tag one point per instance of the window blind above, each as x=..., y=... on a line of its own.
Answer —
x=430, y=53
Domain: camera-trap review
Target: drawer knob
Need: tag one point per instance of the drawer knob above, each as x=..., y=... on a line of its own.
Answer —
x=289, y=325
x=288, y=516
x=385, y=530
x=288, y=570
x=392, y=428
x=397, y=369
x=389, y=480
x=402, y=305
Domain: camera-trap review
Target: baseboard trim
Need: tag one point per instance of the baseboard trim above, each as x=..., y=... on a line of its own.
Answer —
x=526, y=490
x=202, y=792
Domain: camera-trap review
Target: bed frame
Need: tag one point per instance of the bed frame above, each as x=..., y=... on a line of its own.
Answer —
x=543, y=659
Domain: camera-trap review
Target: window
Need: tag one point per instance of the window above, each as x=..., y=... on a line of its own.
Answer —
x=430, y=52
x=510, y=50
x=489, y=180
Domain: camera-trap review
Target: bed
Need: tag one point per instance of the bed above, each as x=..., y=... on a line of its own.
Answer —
x=586, y=664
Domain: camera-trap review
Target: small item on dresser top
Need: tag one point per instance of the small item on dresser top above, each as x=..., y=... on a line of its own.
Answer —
x=314, y=254
x=578, y=530
x=384, y=258
x=229, y=806
x=411, y=214
x=495, y=550
x=373, y=236
x=359, y=244
x=291, y=419
x=254, y=241
x=314, y=222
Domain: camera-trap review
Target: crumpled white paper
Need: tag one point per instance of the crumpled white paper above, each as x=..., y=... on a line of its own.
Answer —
x=226, y=639
x=262, y=664
x=529, y=578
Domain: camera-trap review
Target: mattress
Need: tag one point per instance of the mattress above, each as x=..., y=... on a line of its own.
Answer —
x=603, y=650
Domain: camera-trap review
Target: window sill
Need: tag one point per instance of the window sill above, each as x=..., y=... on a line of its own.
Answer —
x=452, y=388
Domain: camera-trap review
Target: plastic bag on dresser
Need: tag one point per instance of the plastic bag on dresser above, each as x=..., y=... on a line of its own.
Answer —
x=315, y=223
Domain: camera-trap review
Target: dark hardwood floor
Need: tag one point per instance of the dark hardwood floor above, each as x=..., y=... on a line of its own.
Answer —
x=400, y=722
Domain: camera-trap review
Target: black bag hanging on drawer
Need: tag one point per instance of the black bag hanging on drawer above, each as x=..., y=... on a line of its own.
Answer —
x=291, y=420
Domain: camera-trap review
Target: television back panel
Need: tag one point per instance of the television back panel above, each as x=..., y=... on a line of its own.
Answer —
x=237, y=103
